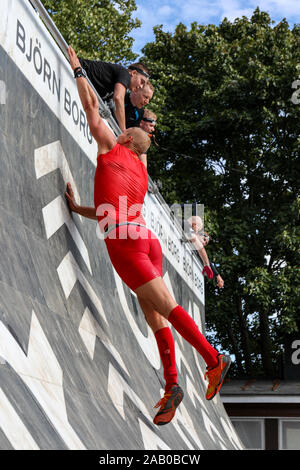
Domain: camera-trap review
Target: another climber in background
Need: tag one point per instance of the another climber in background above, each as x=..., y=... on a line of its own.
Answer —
x=200, y=239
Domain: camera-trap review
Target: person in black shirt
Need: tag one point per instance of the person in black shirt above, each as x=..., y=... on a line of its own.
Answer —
x=112, y=81
x=134, y=104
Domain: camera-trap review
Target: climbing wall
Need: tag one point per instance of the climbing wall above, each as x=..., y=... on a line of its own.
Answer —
x=79, y=368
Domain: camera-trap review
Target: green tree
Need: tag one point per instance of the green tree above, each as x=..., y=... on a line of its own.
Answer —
x=97, y=29
x=226, y=118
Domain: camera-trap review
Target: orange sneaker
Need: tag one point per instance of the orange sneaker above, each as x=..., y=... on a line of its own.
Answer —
x=216, y=376
x=168, y=404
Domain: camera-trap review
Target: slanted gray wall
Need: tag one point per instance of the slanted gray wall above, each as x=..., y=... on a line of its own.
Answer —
x=79, y=368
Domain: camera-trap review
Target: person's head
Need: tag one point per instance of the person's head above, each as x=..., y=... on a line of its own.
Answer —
x=148, y=121
x=139, y=74
x=142, y=96
x=196, y=222
x=197, y=225
x=205, y=238
x=135, y=139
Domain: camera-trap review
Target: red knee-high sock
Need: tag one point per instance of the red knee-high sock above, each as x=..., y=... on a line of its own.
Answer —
x=166, y=347
x=188, y=329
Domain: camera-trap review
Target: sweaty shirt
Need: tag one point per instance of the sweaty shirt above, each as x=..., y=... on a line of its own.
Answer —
x=119, y=172
x=105, y=75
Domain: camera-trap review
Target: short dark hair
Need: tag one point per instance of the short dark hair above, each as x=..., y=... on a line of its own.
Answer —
x=140, y=68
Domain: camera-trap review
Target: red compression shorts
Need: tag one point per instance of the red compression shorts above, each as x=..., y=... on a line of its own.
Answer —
x=136, y=258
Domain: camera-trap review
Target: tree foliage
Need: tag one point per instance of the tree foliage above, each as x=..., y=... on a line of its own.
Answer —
x=97, y=29
x=226, y=118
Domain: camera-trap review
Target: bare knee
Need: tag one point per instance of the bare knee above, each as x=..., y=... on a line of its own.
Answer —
x=160, y=305
x=156, y=321
x=153, y=318
x=156, y=294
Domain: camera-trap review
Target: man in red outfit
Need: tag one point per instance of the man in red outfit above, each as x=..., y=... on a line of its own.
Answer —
x=134, y=250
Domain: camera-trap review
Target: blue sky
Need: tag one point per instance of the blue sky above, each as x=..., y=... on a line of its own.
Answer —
x=171, y=12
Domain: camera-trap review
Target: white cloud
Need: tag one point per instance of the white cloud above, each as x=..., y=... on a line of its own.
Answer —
x=171, y=12
x=231, y=15
x=281, y=8
x=232, y=9
x=277, y=9
x=165, y=11
x=143, y=34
